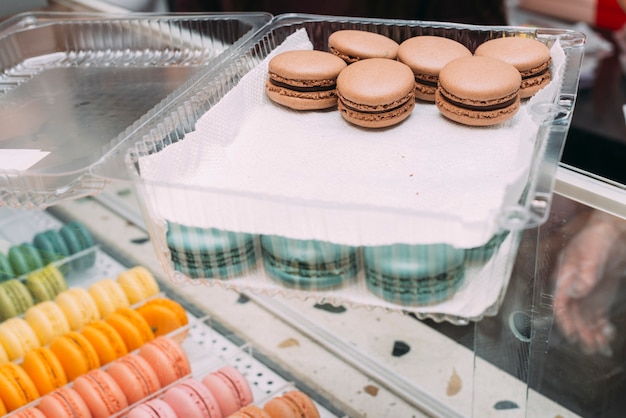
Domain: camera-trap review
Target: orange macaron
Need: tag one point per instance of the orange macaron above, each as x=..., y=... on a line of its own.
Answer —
x=131, y=326
x=292, y=404
x=107, y=342
x=16, y=387
x=76, y=354
x=45, y=369
x=163, y=315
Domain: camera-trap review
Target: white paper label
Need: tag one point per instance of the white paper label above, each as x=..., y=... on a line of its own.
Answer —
x=20, y=159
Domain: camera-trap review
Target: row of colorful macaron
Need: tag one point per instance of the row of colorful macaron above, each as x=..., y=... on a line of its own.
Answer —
x=153, y=379
x=78, y=309
x=48, y=283
x=408, y=275
x=49, y=246
x=72, y=354
x=291, y=404
x=477, y=89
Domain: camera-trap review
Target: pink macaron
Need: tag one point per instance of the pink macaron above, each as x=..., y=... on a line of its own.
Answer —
x=155, y=408
x=30, y=412
x=167, y=358
x=191, y=399
x=230, y=388
x=135, y=377
x=102, y=395
x=64, y=402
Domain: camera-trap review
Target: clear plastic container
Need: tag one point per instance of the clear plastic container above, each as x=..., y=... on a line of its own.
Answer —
x=221, y=229
x=73, y=85
x=489, y=245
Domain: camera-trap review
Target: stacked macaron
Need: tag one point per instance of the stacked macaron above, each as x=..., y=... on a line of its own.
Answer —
x=220, y=393
x=413, y=275
x=308, y=264
x=374, y=81
x=210, y=252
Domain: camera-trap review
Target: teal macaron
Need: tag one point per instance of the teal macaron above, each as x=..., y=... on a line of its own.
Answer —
x=6, y=271
x=78, y=238
x=24, y=258
x=210, y=252
x=414, y=275
x=15, y=299
x=308, y=264
x=51, y=246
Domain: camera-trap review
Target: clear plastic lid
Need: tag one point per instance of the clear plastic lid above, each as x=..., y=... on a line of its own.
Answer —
x=72, y=86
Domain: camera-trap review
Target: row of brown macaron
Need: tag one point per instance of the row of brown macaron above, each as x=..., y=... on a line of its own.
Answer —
x=374, y=81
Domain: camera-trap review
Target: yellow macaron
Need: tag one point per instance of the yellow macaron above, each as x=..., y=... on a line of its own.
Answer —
x=47, y=321
x=44, y=369
x=16, y=387
x=132, y=327
x=106, y=340
x=17, y=337
x=78, y=306
x=108, y=295
x=138, y=283
x=76, y=354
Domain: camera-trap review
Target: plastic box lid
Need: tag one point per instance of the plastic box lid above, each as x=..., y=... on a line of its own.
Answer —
x=73, y=86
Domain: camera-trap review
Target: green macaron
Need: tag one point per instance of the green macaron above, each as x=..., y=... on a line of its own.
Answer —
x=24, y=258
x=46, y=284
x=6, y=271
x=15, y=299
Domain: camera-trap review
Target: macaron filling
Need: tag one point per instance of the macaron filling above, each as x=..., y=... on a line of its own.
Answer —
x=479, y=105
x=324, y=85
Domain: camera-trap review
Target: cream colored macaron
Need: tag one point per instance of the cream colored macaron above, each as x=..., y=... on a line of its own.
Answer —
x=78, y=306
x=138, y=284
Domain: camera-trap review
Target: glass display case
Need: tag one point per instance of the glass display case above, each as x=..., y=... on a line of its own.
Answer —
x=550, y=346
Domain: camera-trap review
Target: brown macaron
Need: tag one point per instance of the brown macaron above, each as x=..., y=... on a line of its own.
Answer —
x=355, y=45
x=478, y=91
x=376, y=93
x=426, y=56
x=304, y=79
x=530, y=56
